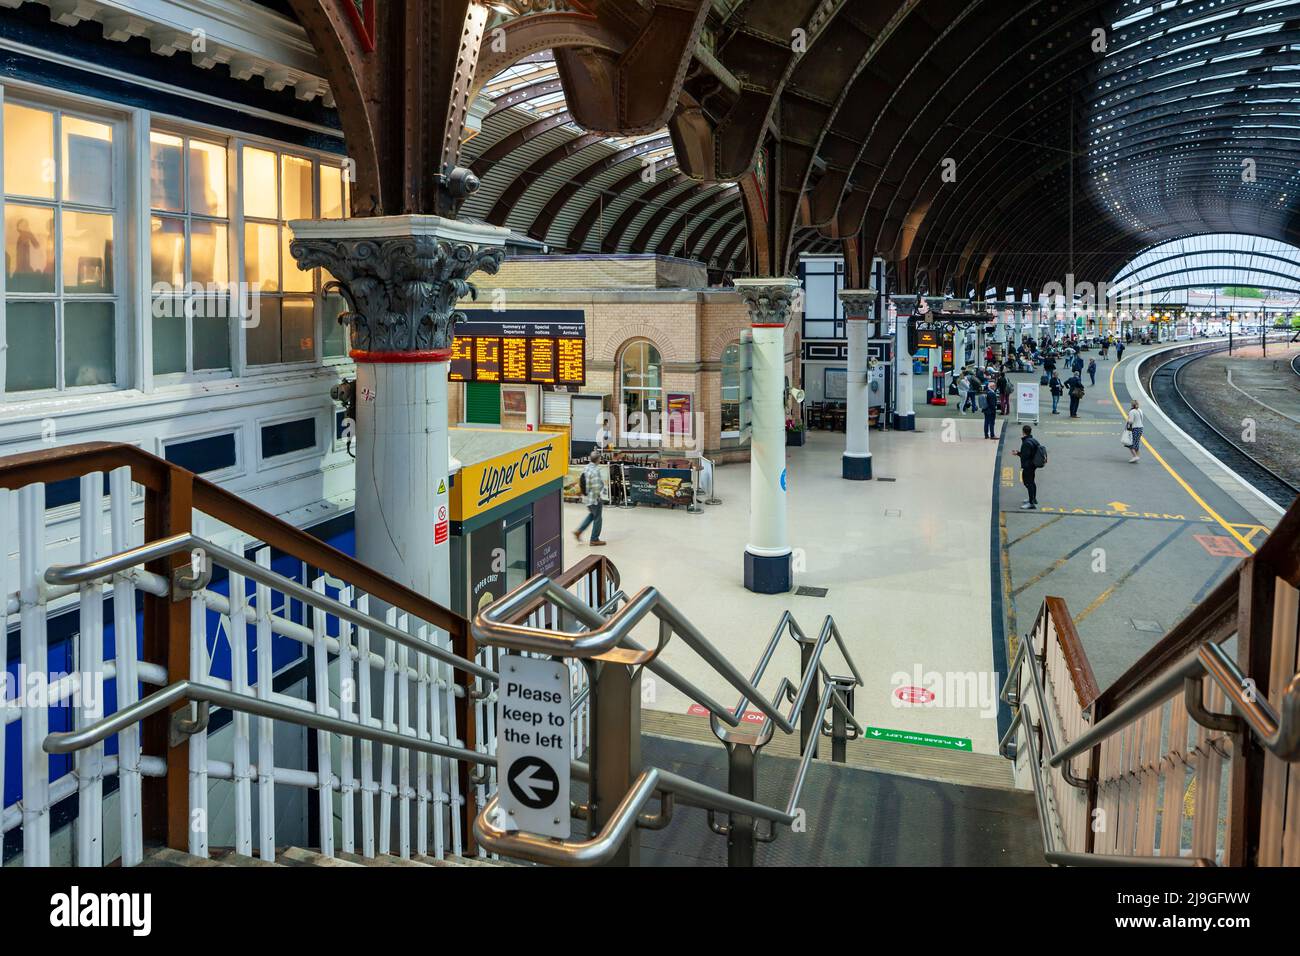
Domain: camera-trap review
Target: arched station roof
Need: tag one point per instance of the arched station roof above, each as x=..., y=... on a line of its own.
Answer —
x=970, y=143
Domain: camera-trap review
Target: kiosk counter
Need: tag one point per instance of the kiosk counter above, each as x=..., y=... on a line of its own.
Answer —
x=504, y=504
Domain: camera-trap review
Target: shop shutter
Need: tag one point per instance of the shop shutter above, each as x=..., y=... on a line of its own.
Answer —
x=557, y=408
x=483, y=403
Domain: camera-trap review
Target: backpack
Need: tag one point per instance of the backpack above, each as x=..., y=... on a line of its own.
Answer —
x=1040, y=454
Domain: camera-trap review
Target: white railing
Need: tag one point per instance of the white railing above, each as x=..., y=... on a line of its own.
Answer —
x=250, y=626
x=366, y=802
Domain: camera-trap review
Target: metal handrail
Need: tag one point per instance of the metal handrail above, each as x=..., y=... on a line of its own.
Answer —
x=1066, y=857
x=600, y=848
x=1278, y=734
x=800, y=692
x=194, y=691
x=610, y=638
x=105, y=567
x=831, y=697
x=1023, y=655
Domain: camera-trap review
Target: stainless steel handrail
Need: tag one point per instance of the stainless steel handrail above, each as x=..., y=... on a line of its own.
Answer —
x=1280, y=735
x=73, y=574
x=185, y=690
x=608, y=634
x=830, y=698
x=619, y=827
x=1024, y=655
x=800, y=693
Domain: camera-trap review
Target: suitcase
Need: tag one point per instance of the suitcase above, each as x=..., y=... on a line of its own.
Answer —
x=1044, y=380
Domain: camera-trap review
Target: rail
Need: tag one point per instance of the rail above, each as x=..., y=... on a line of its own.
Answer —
x=1190, y=754
x=598, y=637
x=270, y=627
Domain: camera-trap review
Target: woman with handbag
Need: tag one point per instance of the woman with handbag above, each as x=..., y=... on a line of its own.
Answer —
x=1133, y=430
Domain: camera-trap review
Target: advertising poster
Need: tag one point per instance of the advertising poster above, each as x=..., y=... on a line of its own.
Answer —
x=659, y=486
x=680, y=408
x=573, y=487
x=487, y=575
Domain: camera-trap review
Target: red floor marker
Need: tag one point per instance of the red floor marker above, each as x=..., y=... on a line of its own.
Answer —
x=1219, y=546
x=914, y=695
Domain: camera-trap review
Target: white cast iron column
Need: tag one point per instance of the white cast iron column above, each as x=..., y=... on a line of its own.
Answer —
x=904, y=404
x=401, y=277
x=767, y=555
x=855, y=464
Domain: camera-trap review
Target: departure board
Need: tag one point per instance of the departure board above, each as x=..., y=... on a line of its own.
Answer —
x=462, y=360
x=514, y=360
x=487, y=359
x=541, y=361
x=521, y=347
x=571, y=368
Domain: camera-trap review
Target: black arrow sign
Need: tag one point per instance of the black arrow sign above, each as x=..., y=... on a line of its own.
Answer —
x=533, y=782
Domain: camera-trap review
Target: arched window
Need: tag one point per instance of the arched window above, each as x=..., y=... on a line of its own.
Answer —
x=642, y=381
x=731, y=382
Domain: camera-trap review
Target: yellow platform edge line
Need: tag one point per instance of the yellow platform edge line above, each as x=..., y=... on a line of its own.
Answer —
x=1245, y=543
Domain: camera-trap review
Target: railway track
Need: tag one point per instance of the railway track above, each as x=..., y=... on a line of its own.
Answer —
x=1164, y=387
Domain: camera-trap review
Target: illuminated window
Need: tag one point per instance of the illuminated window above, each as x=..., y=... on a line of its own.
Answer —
x=189, y=244
x=62, y=299
x=731, y=382
x=642, y=378
x=292, y=308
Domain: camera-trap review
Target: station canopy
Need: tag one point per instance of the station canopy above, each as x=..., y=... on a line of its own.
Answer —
x=971, y=144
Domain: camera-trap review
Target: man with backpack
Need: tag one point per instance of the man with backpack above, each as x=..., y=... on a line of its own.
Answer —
x=988, y=403
x=1119, y=350
x=592, y=484
x=1075, y=386
x=1033, y=455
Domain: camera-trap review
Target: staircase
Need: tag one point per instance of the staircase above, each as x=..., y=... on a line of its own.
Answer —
x=857, y=813
x=399, y=714
x=296, y=856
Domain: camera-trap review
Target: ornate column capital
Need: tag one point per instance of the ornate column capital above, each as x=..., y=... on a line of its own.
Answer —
x=401, y=276
x=770, y=300
x=858, y=303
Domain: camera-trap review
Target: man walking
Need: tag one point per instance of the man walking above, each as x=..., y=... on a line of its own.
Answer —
x=1032, y=457
x=1119, y=350
x=1075, y=386
x=1092, y=370
x=1057, y=389
x=593, y=490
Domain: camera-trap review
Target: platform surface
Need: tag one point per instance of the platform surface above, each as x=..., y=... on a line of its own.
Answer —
x=905, y=564
x=1130, y=547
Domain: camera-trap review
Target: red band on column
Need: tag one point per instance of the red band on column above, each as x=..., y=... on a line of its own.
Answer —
x=399, y=358
x=768, y=325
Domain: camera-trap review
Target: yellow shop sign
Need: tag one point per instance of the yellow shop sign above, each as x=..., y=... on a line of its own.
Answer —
x=484, y=485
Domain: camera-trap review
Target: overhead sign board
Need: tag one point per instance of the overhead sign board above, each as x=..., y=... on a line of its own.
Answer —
x=521, y=347
x=533, y=748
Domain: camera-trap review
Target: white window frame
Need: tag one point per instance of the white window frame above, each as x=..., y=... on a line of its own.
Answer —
x=118, y=119
x=739, y=386
x=657, y=413
x=317, y=158
x=234, y=245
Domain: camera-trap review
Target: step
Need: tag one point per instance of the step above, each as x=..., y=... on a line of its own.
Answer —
x=297, y=856
x=166, y=856
x=923, y=763
x=851, y=815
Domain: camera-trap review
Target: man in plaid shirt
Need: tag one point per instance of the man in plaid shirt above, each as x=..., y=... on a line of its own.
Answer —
x=593, y=488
